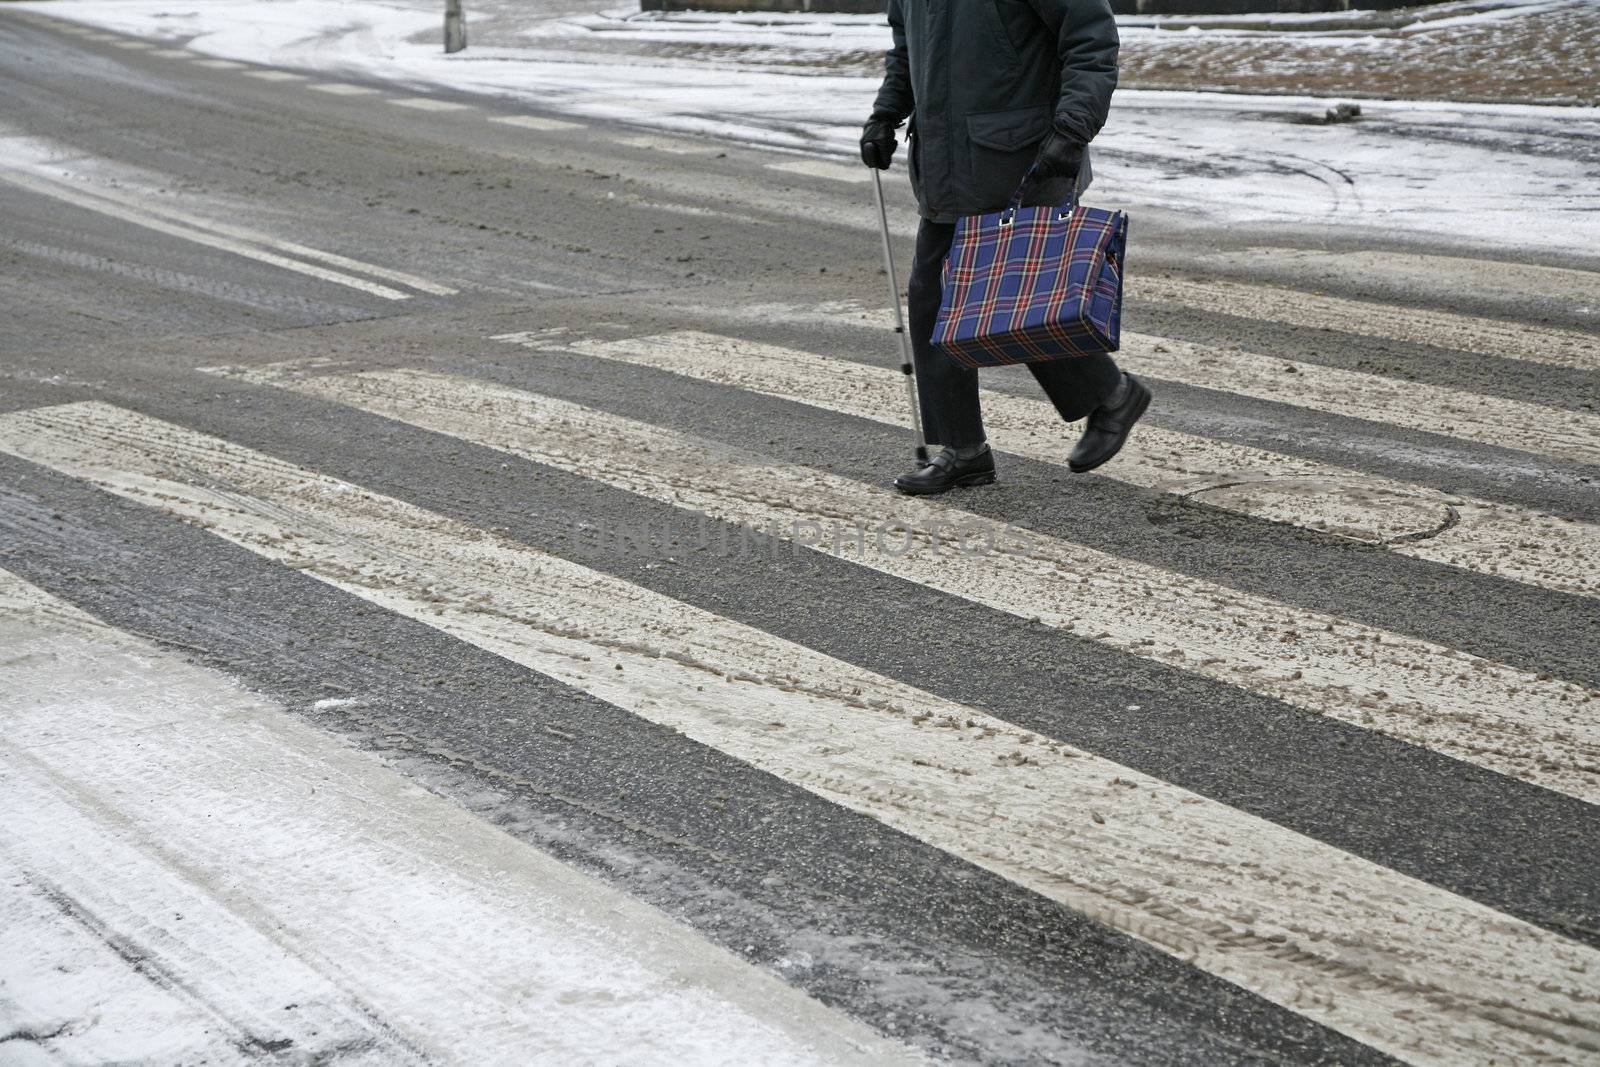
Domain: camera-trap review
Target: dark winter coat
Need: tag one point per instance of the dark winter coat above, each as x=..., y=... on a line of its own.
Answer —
x=982, y=80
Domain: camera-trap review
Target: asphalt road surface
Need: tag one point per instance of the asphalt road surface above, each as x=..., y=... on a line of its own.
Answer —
x=453, y=611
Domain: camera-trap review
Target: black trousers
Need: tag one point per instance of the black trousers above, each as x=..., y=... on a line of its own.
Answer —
x=949, y=391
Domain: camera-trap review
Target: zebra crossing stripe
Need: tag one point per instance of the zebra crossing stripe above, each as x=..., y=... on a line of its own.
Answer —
x=428, y=103
x=1488, y=538
x=344, y=89
x=676, y=146
x=1429, y=276
x=1466, y=333
x=1374, y=398
x=820, y=168
x=536, y=122
x=1545, y=431
x=1510, y=721
x=1413, y=970
x=305, y=872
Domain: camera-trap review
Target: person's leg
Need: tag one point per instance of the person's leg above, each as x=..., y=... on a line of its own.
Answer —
x=1077, y=385
x=948, y=391
x=1095, y=387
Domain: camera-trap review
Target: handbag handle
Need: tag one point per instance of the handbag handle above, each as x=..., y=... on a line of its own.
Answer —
x=1016, y=198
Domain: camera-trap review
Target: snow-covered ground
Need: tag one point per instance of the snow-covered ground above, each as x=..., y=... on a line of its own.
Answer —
x=193, y=875
x=1526, y=51
x=1475, y=175
x=1543, y=51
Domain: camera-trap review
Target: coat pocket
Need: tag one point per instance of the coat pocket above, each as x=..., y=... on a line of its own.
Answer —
x=1011, y=130
x=998, y=32
x=1000, y=149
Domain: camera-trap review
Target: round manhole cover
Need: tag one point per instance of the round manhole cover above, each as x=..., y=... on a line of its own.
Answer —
x=1377, y=514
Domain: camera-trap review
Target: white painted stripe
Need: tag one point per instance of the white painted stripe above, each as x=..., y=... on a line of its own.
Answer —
x=261, y=863
x=1415, y=971
x=343, y=89
x=1434, y=409
x=1504, y=541
x=1542, y=731
x=424, y=103
x=536, y=122
x=218, y=64
x=1268, y=303
x=200, y=237
x=1426, y=275
x=151, y=204
x=275, y=75
x=140, y=45
x=173, y=53
x=816, y=168
x=670, y=145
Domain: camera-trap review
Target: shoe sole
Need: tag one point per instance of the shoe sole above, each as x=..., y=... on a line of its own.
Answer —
x=986, y=478
x=1138, y=413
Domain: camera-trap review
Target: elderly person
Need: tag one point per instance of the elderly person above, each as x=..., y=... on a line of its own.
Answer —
x=992, y=88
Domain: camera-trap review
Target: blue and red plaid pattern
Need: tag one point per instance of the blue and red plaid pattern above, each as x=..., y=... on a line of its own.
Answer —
x=1027, y=285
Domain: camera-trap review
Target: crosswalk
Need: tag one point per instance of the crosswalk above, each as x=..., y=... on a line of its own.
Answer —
x=1415, y=971
x=998, y=793
x=1507, y=720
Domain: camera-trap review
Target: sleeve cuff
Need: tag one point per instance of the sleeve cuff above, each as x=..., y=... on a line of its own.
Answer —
x=1074, y=127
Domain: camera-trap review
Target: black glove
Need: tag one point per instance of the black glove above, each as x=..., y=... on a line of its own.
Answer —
x=877, y=141
x=1060, y=156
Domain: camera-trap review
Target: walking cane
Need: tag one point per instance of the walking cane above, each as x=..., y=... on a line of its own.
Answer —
x=906, y=368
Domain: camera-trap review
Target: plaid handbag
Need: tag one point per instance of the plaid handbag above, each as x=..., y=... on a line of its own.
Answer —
x=1025, y=285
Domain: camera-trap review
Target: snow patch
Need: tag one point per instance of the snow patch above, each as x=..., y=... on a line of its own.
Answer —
x=1476, y=176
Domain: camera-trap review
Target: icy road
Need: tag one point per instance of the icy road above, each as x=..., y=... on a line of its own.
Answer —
x=451, y=608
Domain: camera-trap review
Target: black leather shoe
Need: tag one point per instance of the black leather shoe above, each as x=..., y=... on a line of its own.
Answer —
x=945, y=472
x=1108, y=428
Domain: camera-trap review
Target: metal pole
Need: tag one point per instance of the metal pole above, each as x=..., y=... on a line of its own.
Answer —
x=455, y=30
x=906, y=367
